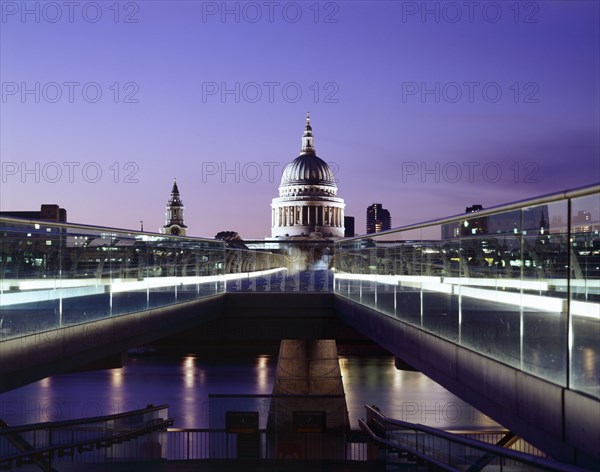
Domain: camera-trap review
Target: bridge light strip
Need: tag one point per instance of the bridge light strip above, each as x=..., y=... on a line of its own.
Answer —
x=460, y=286
x=32, y=291
x=247, y=275
x=55, y=284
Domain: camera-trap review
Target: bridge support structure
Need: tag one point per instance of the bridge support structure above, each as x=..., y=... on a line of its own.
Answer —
x=308, y=404
x=33, y=357
x=561, y=422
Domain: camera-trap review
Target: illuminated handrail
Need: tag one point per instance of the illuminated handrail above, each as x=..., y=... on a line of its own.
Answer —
x=106, y=229
x=55, y=274
x=517, y=205
x=519, y=283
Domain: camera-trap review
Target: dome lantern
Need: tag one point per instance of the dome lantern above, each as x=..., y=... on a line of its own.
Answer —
x=308, y=168
x=308, y=142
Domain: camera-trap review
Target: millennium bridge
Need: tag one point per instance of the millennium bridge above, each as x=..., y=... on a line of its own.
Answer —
x=502, y=312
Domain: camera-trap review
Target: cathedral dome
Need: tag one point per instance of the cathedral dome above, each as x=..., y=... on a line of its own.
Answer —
x=308, y=205
x=307, y=169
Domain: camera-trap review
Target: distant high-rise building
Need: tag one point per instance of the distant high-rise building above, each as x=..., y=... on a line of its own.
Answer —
x=530, y=221
x=174, y=223
x=581, y=222
x=378, y=219
x=37, y=243
x=473, y=208
x=48, y=212
x=348, y=226
x=476, y=225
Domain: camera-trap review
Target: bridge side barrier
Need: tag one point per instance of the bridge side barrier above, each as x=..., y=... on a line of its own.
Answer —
x=41, y=443
x=519, y=283
x=445, y=450
x=54, y=274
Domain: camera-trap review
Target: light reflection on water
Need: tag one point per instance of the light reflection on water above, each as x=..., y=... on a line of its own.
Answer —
x=184, y=382
x=189, y=371
x=262, y=372
x=404, y=395
x=116, y=379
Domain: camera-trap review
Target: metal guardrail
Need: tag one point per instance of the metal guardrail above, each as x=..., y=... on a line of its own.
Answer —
x=518, y=283
x=55, y=275
x=80, y=421
x=448, y=451
x=528, y=202
x=206, y=444
x=69, y=449
x=41, y=443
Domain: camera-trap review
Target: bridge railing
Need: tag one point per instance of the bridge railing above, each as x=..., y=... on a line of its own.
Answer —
x=519, y=283
x=211, y=444
x=280, y=266
x=54, y=275
x=401, y=441
x=137, y=435
x=58, y=274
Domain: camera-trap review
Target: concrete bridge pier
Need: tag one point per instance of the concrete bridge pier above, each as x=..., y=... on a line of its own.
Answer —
x=312, y=421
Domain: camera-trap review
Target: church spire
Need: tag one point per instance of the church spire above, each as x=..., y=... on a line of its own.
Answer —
x=174, y=221
x=175, y=199
x=308, y=142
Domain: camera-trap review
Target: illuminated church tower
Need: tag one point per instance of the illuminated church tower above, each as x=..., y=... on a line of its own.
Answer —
x=174, y=223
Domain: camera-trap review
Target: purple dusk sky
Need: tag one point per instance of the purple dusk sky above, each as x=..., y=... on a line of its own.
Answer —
x=425, y=107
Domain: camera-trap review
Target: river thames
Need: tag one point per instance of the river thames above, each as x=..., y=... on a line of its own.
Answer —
x=185, y=381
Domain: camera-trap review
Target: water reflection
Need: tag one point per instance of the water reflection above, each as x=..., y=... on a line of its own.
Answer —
x=184, y=383
x=115, y=391
x=116, y=378
x=189, y=371
x=262, y=372
x=405, y=395
x=188, y=393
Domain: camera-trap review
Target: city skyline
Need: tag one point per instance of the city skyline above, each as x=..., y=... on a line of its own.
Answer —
x=431, y=107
